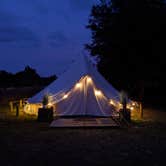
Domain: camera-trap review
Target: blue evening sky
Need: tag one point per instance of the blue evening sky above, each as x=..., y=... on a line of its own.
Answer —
x=45, y=34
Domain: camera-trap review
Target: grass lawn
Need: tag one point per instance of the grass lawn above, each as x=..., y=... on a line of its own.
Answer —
x=25, y=142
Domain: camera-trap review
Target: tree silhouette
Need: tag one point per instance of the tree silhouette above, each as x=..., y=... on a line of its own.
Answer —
x=27, y=77
x=129, y=37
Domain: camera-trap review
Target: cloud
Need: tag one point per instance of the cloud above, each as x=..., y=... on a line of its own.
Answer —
x=57, y=39
x=81, y=5
x=10, y=32
x=7, y=18
x=39, y=6
x=46, y=34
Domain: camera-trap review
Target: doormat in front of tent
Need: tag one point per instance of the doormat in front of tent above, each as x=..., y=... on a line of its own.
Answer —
x=84, y=122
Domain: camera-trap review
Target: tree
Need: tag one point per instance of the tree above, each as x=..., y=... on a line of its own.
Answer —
x=27, y=77
x=129, y=37
x=5, y=79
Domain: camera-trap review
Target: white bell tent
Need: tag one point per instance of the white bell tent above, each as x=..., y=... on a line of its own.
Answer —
x=81, y=90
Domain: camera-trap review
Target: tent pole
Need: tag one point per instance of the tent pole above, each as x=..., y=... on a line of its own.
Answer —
x=141, y=110
x=11, y=106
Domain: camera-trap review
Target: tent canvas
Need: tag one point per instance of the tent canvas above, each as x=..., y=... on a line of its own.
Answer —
x=81, y=90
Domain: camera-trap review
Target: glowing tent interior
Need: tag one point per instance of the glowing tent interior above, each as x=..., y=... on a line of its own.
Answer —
x=79, y=91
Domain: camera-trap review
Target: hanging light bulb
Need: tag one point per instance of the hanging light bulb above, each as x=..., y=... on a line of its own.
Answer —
x=65, y=96
x=50, y=104
x=98, y=93
x=120, y=105
x=112, y=102
x=131, y=108
x=89, y=79
x=133, y=104
x=78, y=85
x=128, y=106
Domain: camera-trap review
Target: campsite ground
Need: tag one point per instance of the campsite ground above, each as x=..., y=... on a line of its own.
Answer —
x=24, y=141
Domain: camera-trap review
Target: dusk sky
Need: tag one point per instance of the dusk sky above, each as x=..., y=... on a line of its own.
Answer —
x=45, y=34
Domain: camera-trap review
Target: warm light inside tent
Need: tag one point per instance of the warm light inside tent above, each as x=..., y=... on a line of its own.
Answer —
x=98, y=93
x=49, y=104
x=65, y=96
x=78, y=85
x=131, y=108
x=133, y=104
x=120, y=105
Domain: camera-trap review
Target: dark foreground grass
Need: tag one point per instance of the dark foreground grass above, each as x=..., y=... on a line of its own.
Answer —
x=25, y=142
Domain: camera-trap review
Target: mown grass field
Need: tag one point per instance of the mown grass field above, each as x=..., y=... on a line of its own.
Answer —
x=24, y=141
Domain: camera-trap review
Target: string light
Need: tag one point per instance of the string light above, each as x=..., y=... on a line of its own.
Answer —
x=89, y=79
x=131, y=108
x=49, y=104
x=120, y=105
x=78, y=85
x=98, y=93
x=111, y=102
x=65, y=96
x=133, y=104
